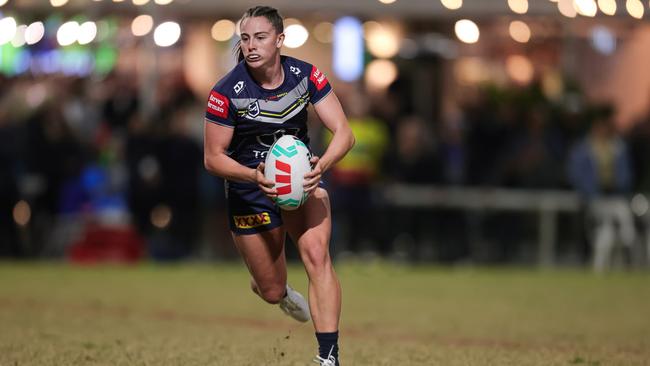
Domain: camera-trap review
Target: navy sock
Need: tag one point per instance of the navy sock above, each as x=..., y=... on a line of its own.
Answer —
x=328, y=342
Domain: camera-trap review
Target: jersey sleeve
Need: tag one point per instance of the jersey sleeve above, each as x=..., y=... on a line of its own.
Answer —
x=319, y=87
x=219, y=109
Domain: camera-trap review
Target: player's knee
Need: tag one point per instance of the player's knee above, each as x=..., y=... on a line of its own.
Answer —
x=272, y=294
x=315, y=257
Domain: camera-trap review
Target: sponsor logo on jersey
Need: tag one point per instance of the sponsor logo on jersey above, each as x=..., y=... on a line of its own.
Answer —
x=251, y=221
x=295, y=70
x=283, y=178
x=276, y=97
x=239, y=87
x=253, y=109
x=218, y=105
x=318, y=78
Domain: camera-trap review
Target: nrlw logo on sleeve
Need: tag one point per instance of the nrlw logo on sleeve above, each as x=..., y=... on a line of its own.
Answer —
x=318, y=78
x=218, y=105
x=251, y=221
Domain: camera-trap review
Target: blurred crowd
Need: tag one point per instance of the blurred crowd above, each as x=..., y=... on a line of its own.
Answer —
x=503, y=137
x=93, y=160
x=85, y=161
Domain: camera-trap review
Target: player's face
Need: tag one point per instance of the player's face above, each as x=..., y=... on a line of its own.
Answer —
x=260, y=42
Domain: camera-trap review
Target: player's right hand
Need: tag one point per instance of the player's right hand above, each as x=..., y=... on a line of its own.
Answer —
x=267, y=186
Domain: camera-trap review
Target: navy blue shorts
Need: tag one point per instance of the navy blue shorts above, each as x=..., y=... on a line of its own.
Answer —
x=250, y=211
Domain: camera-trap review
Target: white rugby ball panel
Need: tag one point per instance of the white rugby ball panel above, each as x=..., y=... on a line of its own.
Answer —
x=286, y=164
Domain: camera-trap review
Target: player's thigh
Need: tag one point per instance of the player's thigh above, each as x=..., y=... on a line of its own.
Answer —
x=311, y=226
x=263, y=254
x=256, y=225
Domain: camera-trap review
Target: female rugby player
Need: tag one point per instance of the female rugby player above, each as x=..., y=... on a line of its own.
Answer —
x=262, y=98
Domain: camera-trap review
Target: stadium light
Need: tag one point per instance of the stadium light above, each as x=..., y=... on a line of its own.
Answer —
x=380, y=74
x=467, y=31
x=635, y=8
x=347, y=50
x=223, y=30
x=518, y=6
x=141, y=25
x=2, y=2
x=382, y=41
x=519, y=31
x=603, y=40
x=520, y=69
x=452, y=4
x=67, y=33
x=607, y=7
x=34, y=33
x=58, y=3
x=7, y=29
x=566, y=8
x=19, y=37
x=167, y=34
x=87, y=32
x=586, y=8
x=295, y=35
x=471, y=70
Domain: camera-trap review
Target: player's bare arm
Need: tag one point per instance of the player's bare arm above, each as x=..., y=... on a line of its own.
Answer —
x=217, y=138
x=330, y=112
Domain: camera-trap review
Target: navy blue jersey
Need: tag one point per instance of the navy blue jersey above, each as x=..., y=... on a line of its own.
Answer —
x=260, y=116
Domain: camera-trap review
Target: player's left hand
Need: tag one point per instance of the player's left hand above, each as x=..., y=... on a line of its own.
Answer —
x=312, y=179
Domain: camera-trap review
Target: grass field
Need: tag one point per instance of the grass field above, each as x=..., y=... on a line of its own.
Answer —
x=56, y=314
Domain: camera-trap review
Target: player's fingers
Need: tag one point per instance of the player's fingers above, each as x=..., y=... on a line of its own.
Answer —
x=316, y=172
x=266, y=182
x=311, y=181
x=261, y=178
x=314, y=159
x=268, y=190
x=310, y=188
x=310, y=175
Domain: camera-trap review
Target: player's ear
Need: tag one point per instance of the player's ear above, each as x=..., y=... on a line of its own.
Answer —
x=280, y=40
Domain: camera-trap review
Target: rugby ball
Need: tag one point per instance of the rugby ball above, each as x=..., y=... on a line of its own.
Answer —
x=286, y=164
